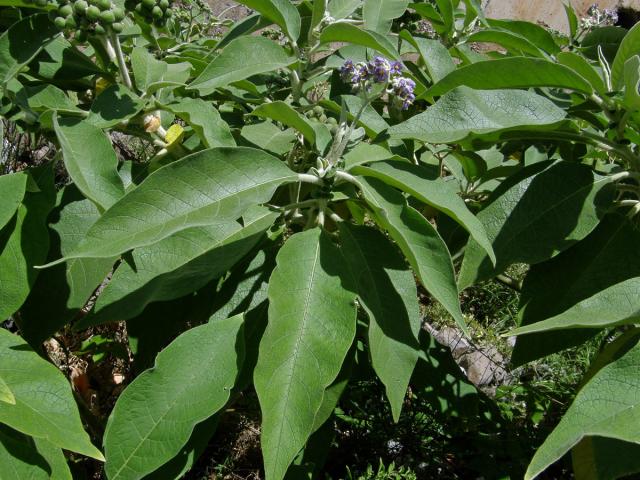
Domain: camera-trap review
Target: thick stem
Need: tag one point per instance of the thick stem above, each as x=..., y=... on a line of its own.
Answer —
x=122, y=65
x=307, y=178
x=509, y=282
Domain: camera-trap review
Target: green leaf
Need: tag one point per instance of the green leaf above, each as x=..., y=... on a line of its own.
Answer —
x=536, y=34
x=48, y=97
x=6, y=395
x=536, y=214
x=156, y=414
x=317, y=15
x=387, y=290
x=599, y=458
x=44, y=406
x=606, y=407
x=60, y=292
x=419, y=241
x=346, y=32
x=22, y=42
x=629, y=47
x=205, y=120
x=340, y=9
x=632, y=83
x=26, y=458
x=581, y=66
x=434, y=54
x=171, y=199
x=365, y=153
x=417, y=182
x=445, y=8
x=608, y=308
x=464, y=111
x=512, y=72
x=176, y=266
x=269, y=137
x=242, y=58
x=113, y=106
x=607, y=256
x=12, y=187
x=312, y=322
x=151, y=74
x=281, y=12
x=512, y=42
x=572, y=17
x=378, y=16
x=62, y=64
x=285, y=114
x=90, y=160
x=24, y=242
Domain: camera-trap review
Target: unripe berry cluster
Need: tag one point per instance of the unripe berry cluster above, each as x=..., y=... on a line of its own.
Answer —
x=317, y=114
x=153, y=11
x=87, y=17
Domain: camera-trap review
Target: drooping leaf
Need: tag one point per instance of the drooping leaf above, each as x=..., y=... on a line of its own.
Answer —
x=44, y=406
x=601, y=458
x=156, y=414
x=536, y=214
x=22, y=42
x=346, y=32
x=26, y=458
x=629, y=47
x=607, y=256
x=281, y=12
x=512, y=42
x=285, y=114
x=512, y=72
x=12, y=187
x=60, y=292
x=63, y=64
x=583, y=67
x=171, y=199
x=24, y=242
x=415, y=181
x=176, y=266
x=608, y=308
x=419, y=241
x=242, y=58
x=536, y=34
x=463, y=111
x=205, y=121
x=90, y=160
x=606, y=407
x=378, y=16
x=49, y=97
x=312, y=321
x=434, y=54
x=387, y=290
x=113, y=106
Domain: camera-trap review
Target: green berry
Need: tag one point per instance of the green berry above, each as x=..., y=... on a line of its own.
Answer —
x=318, y=110
x=99, y=29
x=322, y=118
x=80, y=7
x=117, y=27
x=107, y=17
x=60, y=23
x=118, y=13
x=332, y=121
x=104, y=5
x=157, y=12
x=148, y=3
x=93, y=13
x=164, y=4
x=70, y=22
x=168, y=13
x=65, y=10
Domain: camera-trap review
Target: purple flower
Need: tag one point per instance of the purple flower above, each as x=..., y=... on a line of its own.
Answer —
x=403, y=88
x=396, y=68
x=380, y=69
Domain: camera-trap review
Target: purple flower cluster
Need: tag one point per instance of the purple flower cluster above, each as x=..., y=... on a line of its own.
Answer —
x=380, y=70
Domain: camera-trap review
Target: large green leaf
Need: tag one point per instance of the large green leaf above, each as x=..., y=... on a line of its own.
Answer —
x=63, y=64
x=312, y=322
x=629, y=47
x=26, y=458
x=60, y=292
x=346, y=32
x=22, y=42
x=205, y=120
x=606, y=257
x=608, y=308
x=285, y=114
x=340, y=9
x=24, y=242
x=536, y=34
x=151, y=74
x=419, y=241
x=173, y=198
x=242, y=58
x=606, y=407
x=90, y=160
x=582, y=66
x=156, y=414
x=269, y=137
x=44, y=406
x=464, y=111
x=512, y=72
x=387, y=290
x=513, y=43
x=280, y=12
x=434, y=54
x=115, y=105
x=536, y=214
x=176, y=266
x=49, y=97
x=601, y=458
x=416, y=181
x=12, y=187
x=378, y=15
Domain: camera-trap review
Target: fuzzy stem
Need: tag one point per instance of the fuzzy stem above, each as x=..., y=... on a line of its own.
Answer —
x=122, y=65
x=307, y=178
